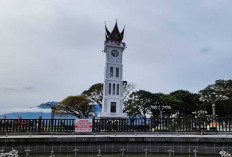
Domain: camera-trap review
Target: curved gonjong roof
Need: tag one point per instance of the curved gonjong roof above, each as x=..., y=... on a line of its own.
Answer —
x=115, y=35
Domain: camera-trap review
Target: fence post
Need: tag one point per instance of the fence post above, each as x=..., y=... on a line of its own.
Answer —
x=6, y=125
x=93, y=123
x=39, y=124
x=145, y=123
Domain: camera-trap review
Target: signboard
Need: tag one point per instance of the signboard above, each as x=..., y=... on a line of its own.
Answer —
x=83, y=125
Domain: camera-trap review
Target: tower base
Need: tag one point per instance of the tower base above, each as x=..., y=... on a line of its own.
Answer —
x=112, y=115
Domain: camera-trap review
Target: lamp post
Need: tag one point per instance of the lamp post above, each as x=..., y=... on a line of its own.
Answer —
x=161, y=108
x=212, y=98
x=198, y=114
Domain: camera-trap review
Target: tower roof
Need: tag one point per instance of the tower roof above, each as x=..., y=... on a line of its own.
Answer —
x=115, y=35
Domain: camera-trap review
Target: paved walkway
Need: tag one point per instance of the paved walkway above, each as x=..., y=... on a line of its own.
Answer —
x=118, y=135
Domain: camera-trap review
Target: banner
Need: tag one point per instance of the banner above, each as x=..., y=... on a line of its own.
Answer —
x=83, y=125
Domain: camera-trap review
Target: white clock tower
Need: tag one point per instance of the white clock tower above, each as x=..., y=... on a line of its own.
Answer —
x=112, y=106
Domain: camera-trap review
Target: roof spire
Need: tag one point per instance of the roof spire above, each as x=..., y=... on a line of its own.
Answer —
x=122, y=33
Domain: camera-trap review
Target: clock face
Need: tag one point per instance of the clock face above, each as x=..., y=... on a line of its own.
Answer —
x=114, y=53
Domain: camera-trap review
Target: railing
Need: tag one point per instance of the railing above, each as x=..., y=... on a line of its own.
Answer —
x=163, y=125
x=36, y=125
x=218, y=124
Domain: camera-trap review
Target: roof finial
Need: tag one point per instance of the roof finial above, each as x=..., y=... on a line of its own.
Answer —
x=107, y=31
x=122, y=33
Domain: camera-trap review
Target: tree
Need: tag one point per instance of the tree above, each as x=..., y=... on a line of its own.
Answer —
x=189, y=102
x=77, y=106
x=163, y=105
x=95, y=93
x=213, y=95
x=131, y=109
x=51, y=105
x=138, y=103
x=127, y=89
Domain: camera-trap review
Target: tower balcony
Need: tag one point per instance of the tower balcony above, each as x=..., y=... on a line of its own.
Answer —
x=114, y=43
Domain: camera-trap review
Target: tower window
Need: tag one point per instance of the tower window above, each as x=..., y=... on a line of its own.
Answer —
x=117, y=89
x=111, y=71
x=117, y=72
x=113, y=89
x=109, y=88
x=113, y=107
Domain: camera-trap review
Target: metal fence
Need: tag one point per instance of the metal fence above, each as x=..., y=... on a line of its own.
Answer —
x=219, y=124
x=163, y=125
x=36, y=125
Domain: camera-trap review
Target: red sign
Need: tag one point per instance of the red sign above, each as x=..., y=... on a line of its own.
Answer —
x=83, y=125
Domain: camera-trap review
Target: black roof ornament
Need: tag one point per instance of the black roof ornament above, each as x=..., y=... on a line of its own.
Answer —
x=122, y=33
x=115, y=35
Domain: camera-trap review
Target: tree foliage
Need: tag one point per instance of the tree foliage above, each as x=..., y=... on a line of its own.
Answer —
x=165, y=103
x=138, y=103
x=224, y=87
x=127, y=89
x=52, y=106
x=141, y=103
x=95, y=93
x=77, y=106
x=219, y=93
x=189, y=102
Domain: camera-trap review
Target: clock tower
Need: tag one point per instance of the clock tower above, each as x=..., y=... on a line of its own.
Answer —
x=112, y=106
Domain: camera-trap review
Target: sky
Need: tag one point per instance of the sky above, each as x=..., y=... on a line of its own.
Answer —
x=52, y=49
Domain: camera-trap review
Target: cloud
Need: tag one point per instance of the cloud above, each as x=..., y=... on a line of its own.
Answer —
x=17, y=89
x=8, y=89
x=205, y=50
x=31, y=109
x=52, y=49
x=28, y=88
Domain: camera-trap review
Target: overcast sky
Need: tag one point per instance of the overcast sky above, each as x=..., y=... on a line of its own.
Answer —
x=52, y=49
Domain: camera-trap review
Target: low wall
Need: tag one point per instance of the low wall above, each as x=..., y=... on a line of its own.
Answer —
x=133, y=143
